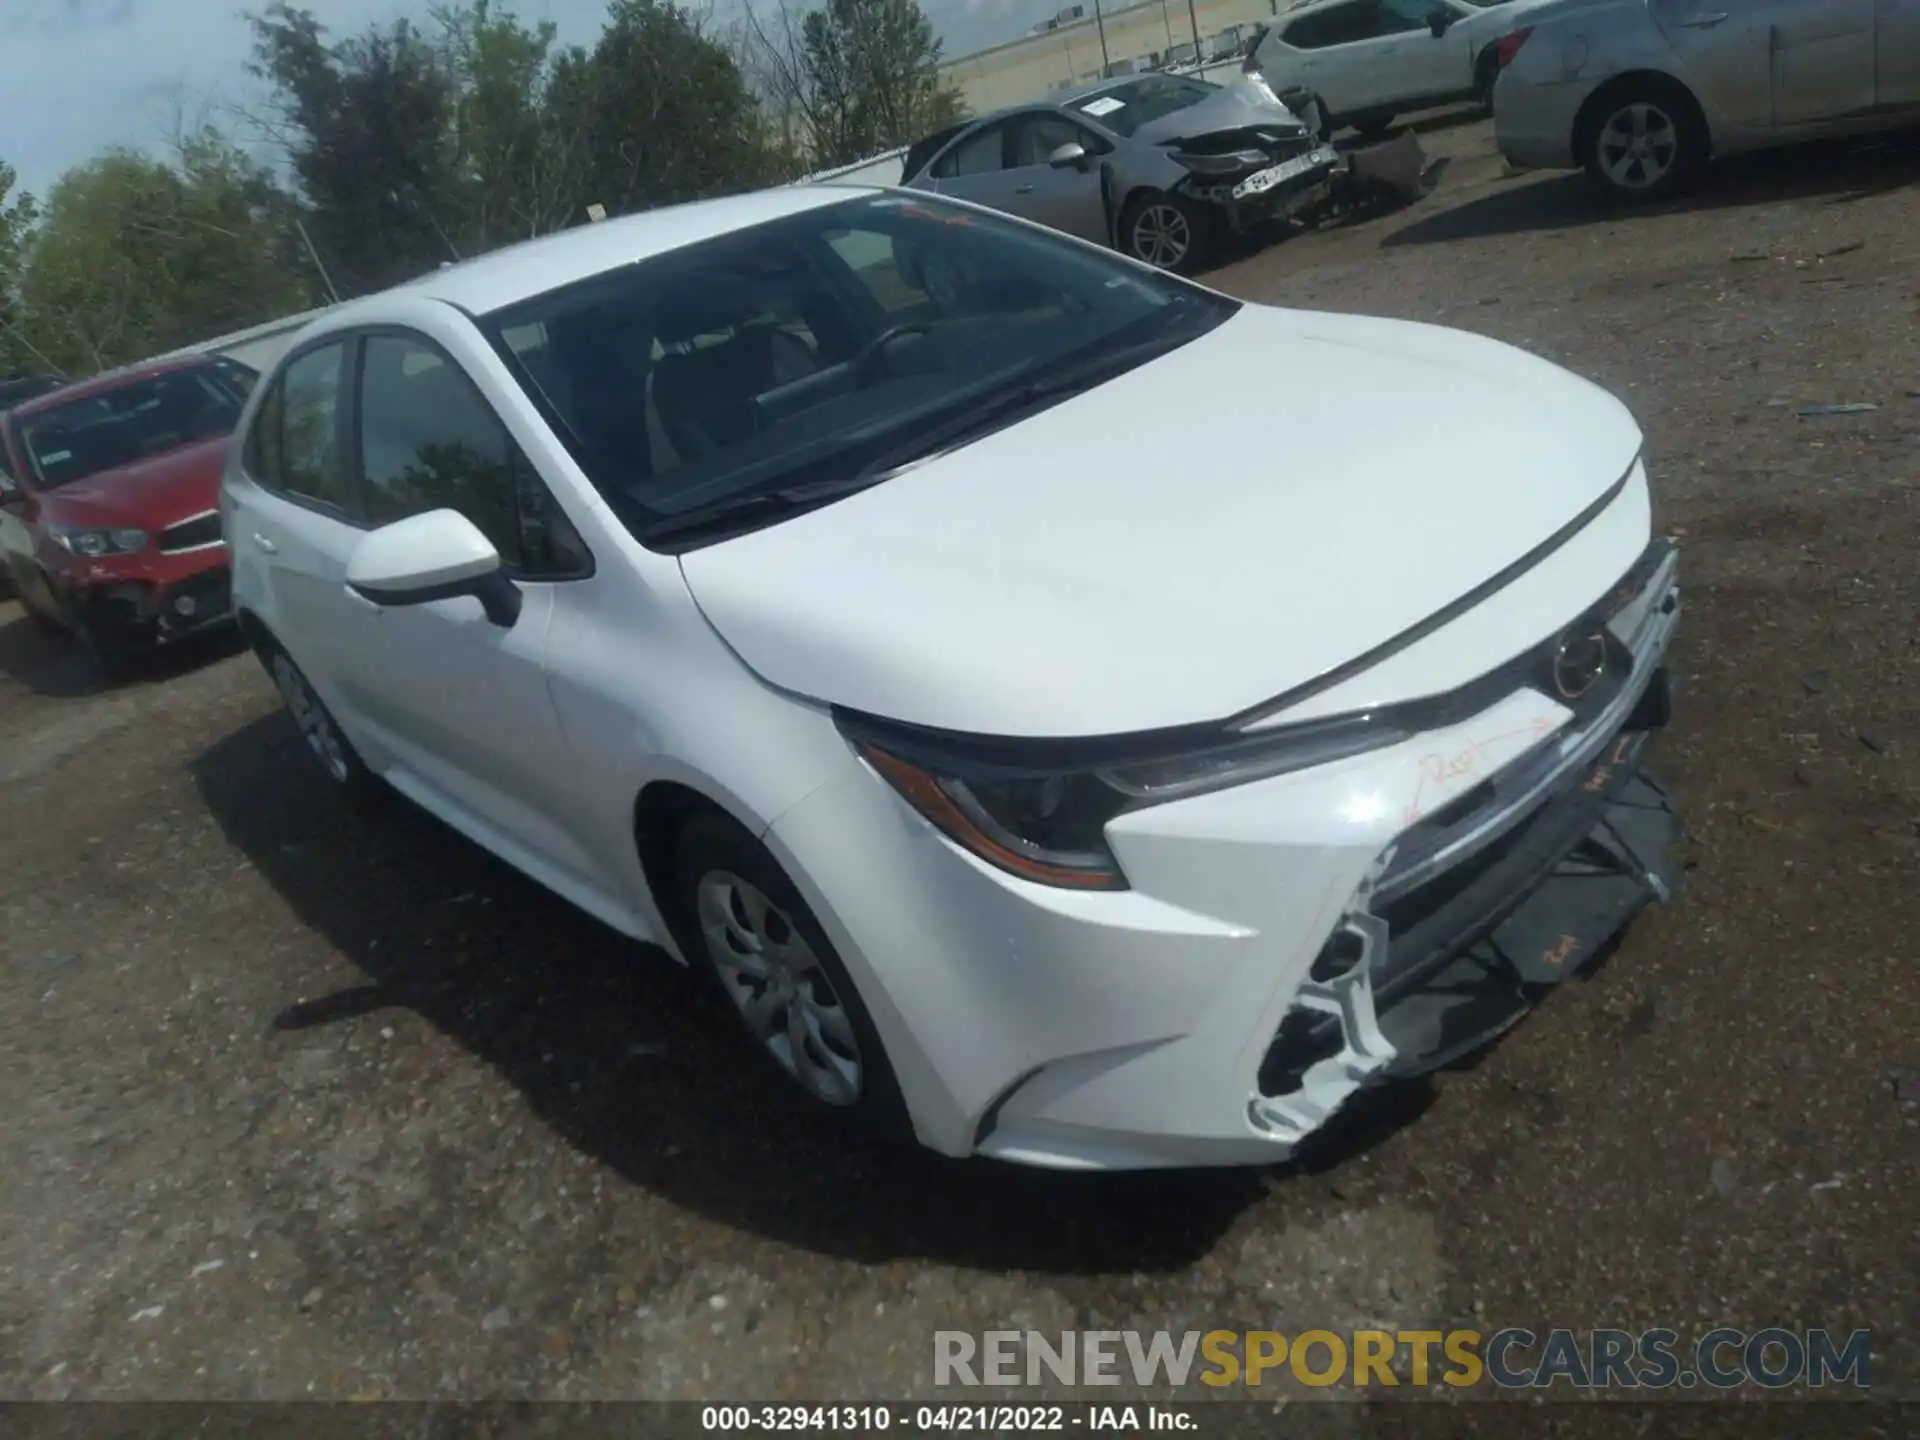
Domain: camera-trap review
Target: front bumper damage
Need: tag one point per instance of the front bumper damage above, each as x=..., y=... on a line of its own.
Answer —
x=1480, y=911
x=1328, y=184
x=152, y=599
x=1282, y=190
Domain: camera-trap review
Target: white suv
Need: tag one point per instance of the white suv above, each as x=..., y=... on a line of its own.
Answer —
x=825, y=585
x=1367, y=61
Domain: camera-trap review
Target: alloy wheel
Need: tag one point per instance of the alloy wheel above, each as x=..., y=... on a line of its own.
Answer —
x=776, y=981
x=1638, y=146
x=1161, y=235
x=311, y=719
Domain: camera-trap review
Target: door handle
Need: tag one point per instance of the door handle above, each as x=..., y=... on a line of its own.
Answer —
x=1023, y=189
x=1703, y=22
x=263, y=543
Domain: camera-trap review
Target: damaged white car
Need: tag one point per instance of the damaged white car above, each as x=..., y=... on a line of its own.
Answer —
x=847, y=590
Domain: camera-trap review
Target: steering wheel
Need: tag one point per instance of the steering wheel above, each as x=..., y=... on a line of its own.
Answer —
x=868, y=361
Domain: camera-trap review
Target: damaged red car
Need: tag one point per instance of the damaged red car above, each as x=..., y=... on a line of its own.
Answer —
x=109, y=503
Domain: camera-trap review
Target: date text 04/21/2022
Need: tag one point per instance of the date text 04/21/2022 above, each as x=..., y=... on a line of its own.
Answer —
x=923, y=1418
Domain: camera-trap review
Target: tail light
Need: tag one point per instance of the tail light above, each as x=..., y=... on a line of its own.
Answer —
x=1509, y=47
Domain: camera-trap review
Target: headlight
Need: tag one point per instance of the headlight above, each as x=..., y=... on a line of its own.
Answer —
x=1230, y=164
x=95, y=543
x=1040, y=810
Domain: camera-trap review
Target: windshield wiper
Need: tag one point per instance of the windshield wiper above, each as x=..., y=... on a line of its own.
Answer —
x=994, y=411
x=1000, y=409
x=772, y=504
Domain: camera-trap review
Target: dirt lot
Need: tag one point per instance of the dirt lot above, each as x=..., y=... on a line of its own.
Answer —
x=298, y=1103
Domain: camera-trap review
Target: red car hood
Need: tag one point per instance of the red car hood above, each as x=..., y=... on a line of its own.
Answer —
x=151, y=494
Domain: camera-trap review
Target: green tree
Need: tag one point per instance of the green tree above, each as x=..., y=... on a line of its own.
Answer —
x=666, y=110
x=369, y=128
x=134, y=257
x=18, y=214
x=523, y=173
x=855, y=77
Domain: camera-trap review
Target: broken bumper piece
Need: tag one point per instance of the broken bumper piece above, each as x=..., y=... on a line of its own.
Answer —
x=1276, y=192
x=1414, y=982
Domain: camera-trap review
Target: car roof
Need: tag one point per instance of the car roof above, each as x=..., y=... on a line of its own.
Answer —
x=533, y=267
x=1092, y=88
x=109, y=381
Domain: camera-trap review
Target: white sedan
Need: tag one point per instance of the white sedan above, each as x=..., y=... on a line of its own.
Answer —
x=844, y=590
x=1366, y=61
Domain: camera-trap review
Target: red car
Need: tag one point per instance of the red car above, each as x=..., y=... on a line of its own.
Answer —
x=109, y=503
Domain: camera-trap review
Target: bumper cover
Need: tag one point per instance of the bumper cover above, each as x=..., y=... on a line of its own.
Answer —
x=1468, y=963
x=1246, y=207
x=1130, y=1029
x=181, y=595
x=1453, y=941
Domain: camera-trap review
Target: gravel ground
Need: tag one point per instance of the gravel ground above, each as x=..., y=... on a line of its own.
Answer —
x=297, y=1102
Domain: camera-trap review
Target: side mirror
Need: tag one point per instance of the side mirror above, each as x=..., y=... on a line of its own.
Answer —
x=1072, y=155
x=1439, y=21
x=12, y=498
x=436, y=556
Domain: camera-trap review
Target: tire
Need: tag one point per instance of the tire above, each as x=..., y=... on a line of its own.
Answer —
x=1642, y=140
x=1325, y=133
x=111, y=655
x=325, y=742
x=750, y=931
x=1163, y=231
x=1486, y=72
x=34, y=599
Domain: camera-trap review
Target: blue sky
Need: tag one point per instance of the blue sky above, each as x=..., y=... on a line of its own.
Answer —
x=77, y=76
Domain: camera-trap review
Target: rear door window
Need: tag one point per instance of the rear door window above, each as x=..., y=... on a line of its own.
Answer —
x=981, y=153
x=312, y=462
x=1336, y=25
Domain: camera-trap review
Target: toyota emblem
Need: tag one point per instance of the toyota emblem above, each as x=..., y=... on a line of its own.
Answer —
x=1579, y=664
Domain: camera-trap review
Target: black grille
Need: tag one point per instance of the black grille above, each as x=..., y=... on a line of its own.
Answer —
x=190, y=534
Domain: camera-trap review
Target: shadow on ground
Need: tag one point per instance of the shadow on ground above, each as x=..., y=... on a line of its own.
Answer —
x=54, y=665
x=627, y=1056
x=1842, y=171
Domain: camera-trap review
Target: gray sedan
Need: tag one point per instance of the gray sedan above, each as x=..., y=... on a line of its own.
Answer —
x=1152, y=165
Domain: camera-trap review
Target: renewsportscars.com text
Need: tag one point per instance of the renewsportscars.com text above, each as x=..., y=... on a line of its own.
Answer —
x=1511, y=1358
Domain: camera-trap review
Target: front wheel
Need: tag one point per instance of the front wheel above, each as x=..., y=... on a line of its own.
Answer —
x=1164, y=231
x=319, y=731
x=761, y=944
x=1644, y=142
x=37, y=600
x=111, y=654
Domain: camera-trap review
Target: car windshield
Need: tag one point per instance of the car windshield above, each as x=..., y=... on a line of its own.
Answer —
x=128, y=423
x=822, y=350
x=1123, y=109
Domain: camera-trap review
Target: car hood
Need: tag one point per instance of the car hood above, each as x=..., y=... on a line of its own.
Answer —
x=1183, y=543
x=1228, y=109
x=151, y=493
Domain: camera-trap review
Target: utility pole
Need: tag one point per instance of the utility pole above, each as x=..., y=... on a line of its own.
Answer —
x=1101, y=25
x=314, y=255
x=1194, y=17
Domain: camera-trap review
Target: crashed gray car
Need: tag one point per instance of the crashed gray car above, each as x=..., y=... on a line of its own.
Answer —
x=1153, y=165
